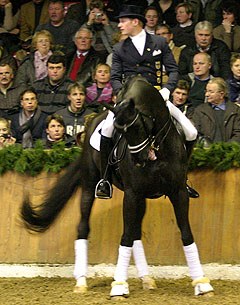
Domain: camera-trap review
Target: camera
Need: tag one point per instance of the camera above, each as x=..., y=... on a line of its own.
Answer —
x=98, y=15
x=6, y=136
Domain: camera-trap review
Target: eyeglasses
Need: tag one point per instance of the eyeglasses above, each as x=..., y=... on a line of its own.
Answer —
x=83, y=38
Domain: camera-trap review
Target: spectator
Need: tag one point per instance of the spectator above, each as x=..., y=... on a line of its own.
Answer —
x=234, y=80
x=61, y=29
x=166, y=10
x=101, y=89
x=75, y=113
x=85, y=59
x=9, y=15
x=52, y=89
x=34, y=66
x=32, y=14
x=55, y=130
x=78, y=11
x=9, y=92
x=229, y=30
x=102, y=29
x=199, y=78
x=180, y=98
x=183, y=31
x=117, y=36
x=165, y=31
x=218, y=120
x=6, y=57
x=205, y=42
x=152, y=17
x=29, y=124
x=6, y=138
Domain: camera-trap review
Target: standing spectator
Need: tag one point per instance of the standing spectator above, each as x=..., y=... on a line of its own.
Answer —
x=9, y=15
x=234, y=80
x=205, y=42
x=218, y=120
x=85, y=59
x=52, y=89
x=29, y=124
x=55, y=130
x=199, y=78
x=102, y=29
x=6, y=138
x=101, y=90
x=229, y=30
x=152, y=17
x=32, y=14
x=34, y=66
x=166, y=10
x=61, y=29
x=9, y=92
x=183, y=31
x=75, y=113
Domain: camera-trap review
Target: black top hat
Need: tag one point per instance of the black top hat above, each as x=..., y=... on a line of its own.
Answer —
x=132, y=11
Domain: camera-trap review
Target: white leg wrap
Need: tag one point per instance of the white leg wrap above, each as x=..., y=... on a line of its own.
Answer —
x=140, y=259
x=121, y=272
x=107, y=128
x=188, y=128
x=81, y=259
x=193, y=261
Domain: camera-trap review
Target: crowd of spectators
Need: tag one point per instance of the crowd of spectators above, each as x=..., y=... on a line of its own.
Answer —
x=56, y=65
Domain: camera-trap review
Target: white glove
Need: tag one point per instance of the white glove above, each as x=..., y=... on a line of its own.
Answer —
x=165, y=93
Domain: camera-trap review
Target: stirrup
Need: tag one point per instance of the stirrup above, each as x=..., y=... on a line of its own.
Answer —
x=191, y=192
x=103, y=189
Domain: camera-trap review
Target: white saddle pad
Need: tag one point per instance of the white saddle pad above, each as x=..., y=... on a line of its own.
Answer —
x=95, y=138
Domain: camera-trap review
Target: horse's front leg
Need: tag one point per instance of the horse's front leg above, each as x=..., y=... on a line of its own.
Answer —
x=81, y=244
x=180, y=203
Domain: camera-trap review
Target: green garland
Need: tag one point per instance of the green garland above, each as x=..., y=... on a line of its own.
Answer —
x=218, y=157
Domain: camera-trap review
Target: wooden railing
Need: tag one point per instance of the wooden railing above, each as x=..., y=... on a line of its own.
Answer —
x=215, y=220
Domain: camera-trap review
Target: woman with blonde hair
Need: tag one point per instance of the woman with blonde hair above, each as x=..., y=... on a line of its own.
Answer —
x=5, y=135
x=34, y=66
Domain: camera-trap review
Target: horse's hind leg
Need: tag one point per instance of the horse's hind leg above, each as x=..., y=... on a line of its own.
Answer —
x=81, y=244
x=200, y=283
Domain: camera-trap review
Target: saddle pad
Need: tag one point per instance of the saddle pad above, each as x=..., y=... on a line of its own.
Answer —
x=95, y=138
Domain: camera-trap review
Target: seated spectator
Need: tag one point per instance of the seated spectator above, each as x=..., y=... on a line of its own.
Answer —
x=9, y=92
x=183, y=31
x=74, y=114
x=165, y=31
x=84, y=60
x=29, y=124
x=9, y=15
x=6, y=138
x=117, y=36
x=61, y=29
x=32, y=14
x=55, y=130
x=52, y=89
x=229, y=30
x=205, y=42
x=152, y=17
x=166, y=10
x=102, y=29
x=101, y=90
x=218, y=120
x=6, y=57
x=180, y=98
x=34, y=66
x=234, y=80
x=199, y=78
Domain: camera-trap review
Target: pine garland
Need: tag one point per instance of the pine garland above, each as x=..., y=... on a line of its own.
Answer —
x=218, y=157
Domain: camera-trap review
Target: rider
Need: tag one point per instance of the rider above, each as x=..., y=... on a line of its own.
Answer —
x=140, y=54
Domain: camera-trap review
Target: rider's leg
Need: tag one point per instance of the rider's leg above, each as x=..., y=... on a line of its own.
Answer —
x=104, y=188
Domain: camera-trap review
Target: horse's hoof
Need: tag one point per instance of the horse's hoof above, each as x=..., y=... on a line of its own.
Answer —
x=80, y=289
x=119, y=290
x=148, y=283
x=202, y=287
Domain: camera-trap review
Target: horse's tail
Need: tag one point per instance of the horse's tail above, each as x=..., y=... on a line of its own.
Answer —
x=39, y=218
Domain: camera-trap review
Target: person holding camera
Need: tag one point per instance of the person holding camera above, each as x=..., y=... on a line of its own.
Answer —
x=5, y=137
x=102, y=29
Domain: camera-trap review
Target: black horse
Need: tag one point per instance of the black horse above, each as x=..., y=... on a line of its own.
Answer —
x=152, y=163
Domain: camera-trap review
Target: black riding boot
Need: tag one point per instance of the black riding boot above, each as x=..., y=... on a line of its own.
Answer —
x=189, y=147
x=104, y=188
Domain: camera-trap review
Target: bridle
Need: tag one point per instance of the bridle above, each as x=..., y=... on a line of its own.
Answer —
x=150, y=139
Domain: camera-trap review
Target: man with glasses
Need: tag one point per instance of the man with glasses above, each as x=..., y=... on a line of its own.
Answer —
x=85, y=59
